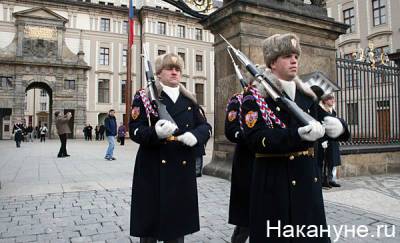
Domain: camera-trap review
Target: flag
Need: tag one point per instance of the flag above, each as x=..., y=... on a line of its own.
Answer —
x=131, y=23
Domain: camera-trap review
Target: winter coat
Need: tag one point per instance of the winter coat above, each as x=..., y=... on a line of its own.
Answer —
x=164, y=189
x=243, y=158
x=110, y=125
x=285, y=187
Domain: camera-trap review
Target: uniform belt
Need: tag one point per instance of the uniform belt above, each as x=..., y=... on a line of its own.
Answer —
x=309, y=152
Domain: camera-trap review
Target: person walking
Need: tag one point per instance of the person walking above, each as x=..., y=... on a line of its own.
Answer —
x=164, y=188
x=89, y=130
x=17, y=131
x=43, y=132
x=97, y=132
x=110, y=124
x=121, y=134
x=63, y=130
x=101, y=131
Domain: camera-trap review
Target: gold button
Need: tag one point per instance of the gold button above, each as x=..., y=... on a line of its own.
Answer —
x=293, y=182
x=163, y=161
x=308, y=110
x=291, y=157
x=315, y=179
x=184, y=162
x=189, y=108
x=187, y=125
x=278, y=109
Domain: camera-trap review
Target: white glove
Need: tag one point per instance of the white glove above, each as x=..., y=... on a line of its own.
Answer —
x=165, y=128
x=333, y=126
x=311, y=132
x=188, y=139
x=324, y=144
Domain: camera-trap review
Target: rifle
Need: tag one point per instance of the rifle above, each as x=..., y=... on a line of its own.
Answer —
x=151, y=85
x=280, y=97
x=243, y=81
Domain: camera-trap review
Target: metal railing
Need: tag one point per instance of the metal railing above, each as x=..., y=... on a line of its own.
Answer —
x=369, y=100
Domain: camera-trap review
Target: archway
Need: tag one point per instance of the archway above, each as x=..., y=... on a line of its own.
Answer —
x=39, y=106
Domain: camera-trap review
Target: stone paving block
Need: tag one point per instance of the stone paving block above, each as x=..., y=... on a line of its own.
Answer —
x=26, y=238
x=7, y=240
x=68, y=234
x=105, y=237
x=81, y=240
x=47, y=237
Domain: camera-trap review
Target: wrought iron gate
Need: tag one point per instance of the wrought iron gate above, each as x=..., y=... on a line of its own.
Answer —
x=369, y=100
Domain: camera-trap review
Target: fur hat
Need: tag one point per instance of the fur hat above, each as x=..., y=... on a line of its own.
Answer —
x=168, y=61
x=280, y=45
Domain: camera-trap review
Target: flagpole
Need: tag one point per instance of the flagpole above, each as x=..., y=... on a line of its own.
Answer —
x=128, y=84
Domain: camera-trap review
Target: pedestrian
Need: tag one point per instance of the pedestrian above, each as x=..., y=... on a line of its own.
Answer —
x=63, y=129
x=17, y=131
x=89, y=130
x=110, y=124
x=328, y=148
x=286, y=190
x=97, y=132
x=239, y=203
x=29, y=132
x=85, y=133
x=43, y=132
x=37, y=132
x=164, y=189
x=101, y=131
x=121, y=134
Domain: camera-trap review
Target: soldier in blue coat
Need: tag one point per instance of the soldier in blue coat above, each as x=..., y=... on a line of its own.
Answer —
x=286, y=192
x=239, y=203
x=164, y=190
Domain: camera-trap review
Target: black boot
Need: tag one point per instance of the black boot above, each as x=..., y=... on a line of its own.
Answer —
x=147, y=240
x=240, y=234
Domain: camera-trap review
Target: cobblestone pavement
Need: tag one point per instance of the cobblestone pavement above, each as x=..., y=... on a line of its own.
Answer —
x=91, y=207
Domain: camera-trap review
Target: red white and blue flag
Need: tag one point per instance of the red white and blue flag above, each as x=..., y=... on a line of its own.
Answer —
x=131, y=23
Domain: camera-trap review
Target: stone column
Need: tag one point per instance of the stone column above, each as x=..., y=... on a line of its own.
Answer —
x=245, y=23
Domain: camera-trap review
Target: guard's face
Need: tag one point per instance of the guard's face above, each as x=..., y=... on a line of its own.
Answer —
x=285, y=67
x=170, y=76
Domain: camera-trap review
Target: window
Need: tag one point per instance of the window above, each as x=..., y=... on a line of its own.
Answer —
x=43, y=93
x=181, y=31
x=124, y=57
x=104, y=56
x=69, y=84
x=104, y=91
x=199, y=63
x=161, y=52
x=352, y=113
x=123, y=87
x=102, y=3
x=199, y=89
x=348, y=18
x=124, y=6
x=105, y=24
x=43, y=106
x=199, y=34
x=182, y=55
x=379, y=12
x=125, y=27
x=161, y=28
x=5, y=81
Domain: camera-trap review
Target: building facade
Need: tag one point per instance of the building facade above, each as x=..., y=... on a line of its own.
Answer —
x=76, y=51
x=371, y=23
x=369, y=98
